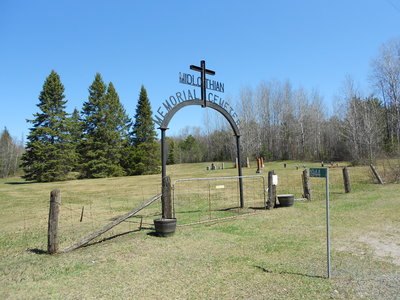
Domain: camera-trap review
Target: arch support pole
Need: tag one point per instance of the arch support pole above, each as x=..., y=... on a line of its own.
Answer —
x=240, y=172
x=163, y=172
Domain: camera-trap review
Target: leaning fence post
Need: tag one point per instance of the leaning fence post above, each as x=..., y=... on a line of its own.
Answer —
x=377, y=176
x=306, y=185
x=52, y=234
x=346, y=180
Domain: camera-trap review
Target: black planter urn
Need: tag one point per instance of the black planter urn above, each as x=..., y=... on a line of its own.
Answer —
x=286, y=200
x=165, y=227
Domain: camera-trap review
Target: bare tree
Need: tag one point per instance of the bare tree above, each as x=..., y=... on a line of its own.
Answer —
x=351, y=129
x=249, y=129
x=371, y=113
x=11, y=151
x=385, y=77
x=263, y=102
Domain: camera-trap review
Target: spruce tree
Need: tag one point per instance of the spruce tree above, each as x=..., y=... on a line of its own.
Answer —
x=145, y=157
x=50, y=155
x=75, y=126
x=75, y=131
x=105, y=127
x=171, y=152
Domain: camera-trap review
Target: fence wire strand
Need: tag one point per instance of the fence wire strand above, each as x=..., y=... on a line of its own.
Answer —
x=199, y=200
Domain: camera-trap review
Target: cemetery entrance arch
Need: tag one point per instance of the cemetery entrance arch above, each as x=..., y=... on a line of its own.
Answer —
x=167, y=118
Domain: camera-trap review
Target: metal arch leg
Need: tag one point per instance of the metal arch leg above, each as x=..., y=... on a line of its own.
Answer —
x=240, y=172
x=163, y=171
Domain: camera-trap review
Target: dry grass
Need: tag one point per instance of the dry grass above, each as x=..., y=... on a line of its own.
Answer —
x=278, y=254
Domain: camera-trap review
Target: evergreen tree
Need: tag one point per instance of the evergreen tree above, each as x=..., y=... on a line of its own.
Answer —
x=143, y=128
x=50, y=155
x=191, y=150
x=105, y=127
x=171, y=152
x=145, y=149
x=75, y=126
x=75, y=131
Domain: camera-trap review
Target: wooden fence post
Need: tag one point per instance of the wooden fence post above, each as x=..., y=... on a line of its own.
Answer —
x=346, y=180
x=306, y=185
x=52, y=234
x=376, y=174
x=166, y=197
x=271, y=191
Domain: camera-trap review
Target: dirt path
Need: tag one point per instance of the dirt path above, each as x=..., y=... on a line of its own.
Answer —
x=385, y=244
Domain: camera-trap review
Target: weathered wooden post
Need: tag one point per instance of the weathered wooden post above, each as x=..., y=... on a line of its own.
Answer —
x=166, y=197
x=52, y=233
x=259, y=167
x=346, y=180
x=306, y=185
x=376, y=174
x=271, y=191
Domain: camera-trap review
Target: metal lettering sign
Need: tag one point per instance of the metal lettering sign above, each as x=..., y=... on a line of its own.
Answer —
x=187, y=97
x=318, y=172
x=190, y=79
x=190, y=96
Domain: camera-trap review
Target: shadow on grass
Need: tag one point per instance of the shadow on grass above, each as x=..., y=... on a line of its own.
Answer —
x=288, y=273
x=258, y=207
x=37, y=251
x=114, y=236
x=40, y=251
x=152, y=233
x=19, y=182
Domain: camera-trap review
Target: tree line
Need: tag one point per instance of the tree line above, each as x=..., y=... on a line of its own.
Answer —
x=279, y=122
x=98, y=141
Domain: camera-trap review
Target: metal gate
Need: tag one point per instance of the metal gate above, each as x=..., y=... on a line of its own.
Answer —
x=199, y=200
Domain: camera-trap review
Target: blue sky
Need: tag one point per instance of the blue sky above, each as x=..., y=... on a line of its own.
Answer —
x=313, y=44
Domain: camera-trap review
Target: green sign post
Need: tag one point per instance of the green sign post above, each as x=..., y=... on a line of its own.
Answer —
x=324, y=173
x=319, y=172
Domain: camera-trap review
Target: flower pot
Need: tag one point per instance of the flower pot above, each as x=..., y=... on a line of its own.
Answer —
x=165, y=227
x=286, y=200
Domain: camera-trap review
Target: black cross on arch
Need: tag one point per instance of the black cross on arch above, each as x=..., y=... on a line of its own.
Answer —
x=202, y=69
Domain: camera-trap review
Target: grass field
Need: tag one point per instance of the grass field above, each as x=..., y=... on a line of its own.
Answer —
x=276, y=254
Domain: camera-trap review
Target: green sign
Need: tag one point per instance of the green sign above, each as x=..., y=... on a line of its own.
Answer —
x=318, y=172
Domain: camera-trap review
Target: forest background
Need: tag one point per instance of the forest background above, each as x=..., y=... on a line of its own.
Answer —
x=277, y=122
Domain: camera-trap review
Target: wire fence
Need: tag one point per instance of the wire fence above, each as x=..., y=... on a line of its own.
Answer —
x=78, y=219
x=195, y=200
x=290, y=181
x=200, y=200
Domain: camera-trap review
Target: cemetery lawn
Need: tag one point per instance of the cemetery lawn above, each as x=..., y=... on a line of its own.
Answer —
x=274, y=254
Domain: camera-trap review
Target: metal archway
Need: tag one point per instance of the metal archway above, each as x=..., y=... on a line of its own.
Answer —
x=179, y=106
x=164, y=126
